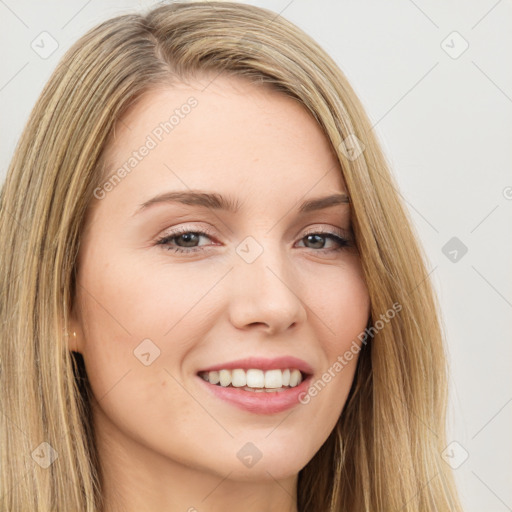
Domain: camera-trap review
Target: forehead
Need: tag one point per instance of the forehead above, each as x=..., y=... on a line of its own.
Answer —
x=221, y=134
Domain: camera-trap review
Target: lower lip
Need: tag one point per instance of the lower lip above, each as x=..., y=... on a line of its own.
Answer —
x=259, y=402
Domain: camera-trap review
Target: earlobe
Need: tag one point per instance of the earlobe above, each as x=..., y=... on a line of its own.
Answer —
x=74, y=335
x=73, y=342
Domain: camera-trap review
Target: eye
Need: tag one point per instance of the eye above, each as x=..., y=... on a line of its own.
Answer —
x=318, y=238
x=184, y=236
x=185, y=241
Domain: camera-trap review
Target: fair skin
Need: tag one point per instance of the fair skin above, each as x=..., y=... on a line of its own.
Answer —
x=165, y=441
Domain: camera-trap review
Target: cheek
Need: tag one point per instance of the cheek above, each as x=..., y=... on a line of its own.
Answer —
x=340, y=303
x=342, y=309
x=132, y=300
x=139, y=328
x=134, y=369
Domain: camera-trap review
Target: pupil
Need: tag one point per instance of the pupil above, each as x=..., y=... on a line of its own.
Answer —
x=318, y=237
x=188, y=238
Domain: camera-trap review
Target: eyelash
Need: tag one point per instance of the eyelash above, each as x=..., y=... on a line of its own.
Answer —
x=343, y=243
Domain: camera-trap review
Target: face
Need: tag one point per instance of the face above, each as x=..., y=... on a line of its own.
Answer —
x=174, y=289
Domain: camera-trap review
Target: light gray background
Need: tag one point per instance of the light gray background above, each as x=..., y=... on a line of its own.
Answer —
x=445, y=121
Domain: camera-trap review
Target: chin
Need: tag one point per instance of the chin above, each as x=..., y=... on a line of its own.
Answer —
x=265, y=472
x=277, y=464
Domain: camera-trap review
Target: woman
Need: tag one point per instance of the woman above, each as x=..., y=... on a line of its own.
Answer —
x=293, y=361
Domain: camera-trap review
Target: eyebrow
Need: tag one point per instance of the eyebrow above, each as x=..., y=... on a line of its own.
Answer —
x=219, y=202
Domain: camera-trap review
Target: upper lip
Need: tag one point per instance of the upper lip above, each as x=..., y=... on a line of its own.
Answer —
x=277, y=363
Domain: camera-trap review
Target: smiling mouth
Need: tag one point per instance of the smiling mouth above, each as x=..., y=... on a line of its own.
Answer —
x=255, y=380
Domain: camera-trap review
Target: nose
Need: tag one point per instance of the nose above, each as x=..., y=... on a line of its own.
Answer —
x=265, y=294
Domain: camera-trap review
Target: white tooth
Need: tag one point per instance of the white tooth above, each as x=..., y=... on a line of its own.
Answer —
x=286, y=377
x=273, y=379
x=225, y=377
x=238, y=378
x=255, y=378
x=295, y=378
x=213, y=377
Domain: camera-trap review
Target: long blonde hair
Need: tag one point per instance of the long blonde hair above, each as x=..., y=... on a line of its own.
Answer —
x=385, y=451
